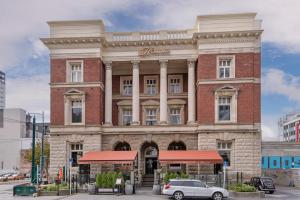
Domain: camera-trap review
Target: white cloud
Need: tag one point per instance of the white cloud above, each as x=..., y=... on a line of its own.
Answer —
x=275, y=81
x=281, y=22
x=30, y=93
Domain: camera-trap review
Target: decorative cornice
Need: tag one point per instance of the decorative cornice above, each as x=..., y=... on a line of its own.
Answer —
x=227, y=34
x=77, y=85
x=228, y=81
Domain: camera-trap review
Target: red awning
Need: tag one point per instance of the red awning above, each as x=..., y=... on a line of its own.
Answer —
x=192, y=157
x=108, y=157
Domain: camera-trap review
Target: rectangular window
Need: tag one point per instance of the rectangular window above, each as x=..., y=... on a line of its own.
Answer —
x=175, y=85
x=175, y=116
x=151, y=86
x=224, y=108
x=127, y=87
x=224, y=68
x=224, y=149
x=77, y=111
x=76, y=72
x=127, y=117
x=151, y=117
x=76, y=153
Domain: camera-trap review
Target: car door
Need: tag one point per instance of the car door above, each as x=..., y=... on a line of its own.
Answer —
x=200, y=189
x=187, y=188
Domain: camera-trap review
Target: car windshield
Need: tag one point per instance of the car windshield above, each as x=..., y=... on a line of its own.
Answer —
x=266, y=180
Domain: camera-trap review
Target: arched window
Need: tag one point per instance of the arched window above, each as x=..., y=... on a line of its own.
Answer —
x=122, y=146
x=174, y=146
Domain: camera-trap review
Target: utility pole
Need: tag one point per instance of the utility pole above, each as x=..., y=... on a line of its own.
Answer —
x=33, y=168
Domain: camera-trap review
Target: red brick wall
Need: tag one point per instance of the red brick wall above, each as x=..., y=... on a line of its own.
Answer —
x=246, y=65
x=248, y=102
x=93, y=70
x=58, y=70
x=116, y=84
x=93, y=102
x=94, y=105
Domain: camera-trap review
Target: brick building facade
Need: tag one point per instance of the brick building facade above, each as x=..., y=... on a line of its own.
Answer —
x=194, y=89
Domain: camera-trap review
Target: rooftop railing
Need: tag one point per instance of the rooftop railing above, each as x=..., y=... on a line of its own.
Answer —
x=142, y=36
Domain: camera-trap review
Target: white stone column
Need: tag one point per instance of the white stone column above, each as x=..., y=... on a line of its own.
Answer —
x=163, y=107
x=108, y=93
x=135, y=93
x=191, y=91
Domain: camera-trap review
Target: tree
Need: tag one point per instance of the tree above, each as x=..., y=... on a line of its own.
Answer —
x=38, y=153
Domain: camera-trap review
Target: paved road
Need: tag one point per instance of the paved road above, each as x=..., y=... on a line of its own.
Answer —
x=283, y=193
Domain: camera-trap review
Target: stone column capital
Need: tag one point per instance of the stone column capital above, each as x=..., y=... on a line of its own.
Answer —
x=135, y=62
x=163, y=61
x=108, y=65
x=191, y=61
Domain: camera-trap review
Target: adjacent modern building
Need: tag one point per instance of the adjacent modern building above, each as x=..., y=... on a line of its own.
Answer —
x=14, y=127
x=290, y=127
x=281, y=161
x=16, y=135
x=192, y=89
x=2, y=90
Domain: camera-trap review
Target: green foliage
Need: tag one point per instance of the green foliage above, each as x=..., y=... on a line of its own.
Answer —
x=53, y=187
x=107, y=180
x=38, y=153
x=173, y=175
x=241, y=188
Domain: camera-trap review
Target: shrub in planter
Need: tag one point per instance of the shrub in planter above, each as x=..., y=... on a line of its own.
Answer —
x=241, y=188
x=107, y=180
x=173, y=175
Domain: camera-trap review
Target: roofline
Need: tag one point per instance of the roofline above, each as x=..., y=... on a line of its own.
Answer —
x=93, y=21
x=251, y=14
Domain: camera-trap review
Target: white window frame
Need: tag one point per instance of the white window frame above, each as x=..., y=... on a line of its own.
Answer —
x=73, y=95
x=180, y=77
x=226, y=93
x=69, y=70
x=155, y=116
x=146, y=78
x=123, y=112
x=231, y=68
x=75, y=107
x=228, y=149
x=177, y=114
x=122, y=79
x=79, y=150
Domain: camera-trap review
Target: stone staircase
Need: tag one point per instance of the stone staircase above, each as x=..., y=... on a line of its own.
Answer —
x=148, y=180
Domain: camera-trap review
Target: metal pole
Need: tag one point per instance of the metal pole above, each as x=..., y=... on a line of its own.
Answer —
x=70, y=179
x=42, y=154
x=37, y=175
x=33, y=152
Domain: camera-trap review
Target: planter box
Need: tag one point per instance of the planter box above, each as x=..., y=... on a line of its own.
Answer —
x=54, y=193
x=107, y=190
x=258, y=194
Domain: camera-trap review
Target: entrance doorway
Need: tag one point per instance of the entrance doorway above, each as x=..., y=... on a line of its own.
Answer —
x=150, y=152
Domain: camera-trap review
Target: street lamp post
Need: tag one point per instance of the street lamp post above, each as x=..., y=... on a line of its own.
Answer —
x=34, y=177
x=33, y=174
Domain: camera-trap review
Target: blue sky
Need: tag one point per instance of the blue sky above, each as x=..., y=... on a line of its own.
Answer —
x=26, y=62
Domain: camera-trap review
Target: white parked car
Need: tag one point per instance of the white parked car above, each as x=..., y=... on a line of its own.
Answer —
x=180, y=188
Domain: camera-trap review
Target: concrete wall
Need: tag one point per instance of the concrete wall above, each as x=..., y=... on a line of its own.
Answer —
x=10, y=138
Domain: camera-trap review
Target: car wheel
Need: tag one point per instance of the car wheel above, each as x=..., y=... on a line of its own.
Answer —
x=271, y=192
x=217, y=196
x=178, y=195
